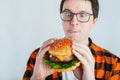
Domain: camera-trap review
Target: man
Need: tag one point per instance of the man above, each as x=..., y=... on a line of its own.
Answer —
x=78, y=18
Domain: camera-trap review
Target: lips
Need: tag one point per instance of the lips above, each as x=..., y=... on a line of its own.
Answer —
x=72, y=31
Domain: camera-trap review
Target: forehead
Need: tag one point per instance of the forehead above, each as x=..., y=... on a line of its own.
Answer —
x=78, y=5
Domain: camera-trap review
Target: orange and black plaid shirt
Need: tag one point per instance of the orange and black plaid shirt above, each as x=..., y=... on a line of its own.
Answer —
x=107, y=65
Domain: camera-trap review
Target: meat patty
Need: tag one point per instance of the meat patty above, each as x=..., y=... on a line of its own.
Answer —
x=67, y=59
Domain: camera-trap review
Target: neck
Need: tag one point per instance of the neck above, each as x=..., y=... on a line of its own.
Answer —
x=84, y=42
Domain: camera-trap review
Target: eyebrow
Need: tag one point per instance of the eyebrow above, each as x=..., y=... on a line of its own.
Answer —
x=78, y=12
x=66, y=10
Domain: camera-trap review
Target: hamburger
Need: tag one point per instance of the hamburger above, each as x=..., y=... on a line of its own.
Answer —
x=60, y=56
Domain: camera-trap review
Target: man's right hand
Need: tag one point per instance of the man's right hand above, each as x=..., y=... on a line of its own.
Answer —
x=42, y=70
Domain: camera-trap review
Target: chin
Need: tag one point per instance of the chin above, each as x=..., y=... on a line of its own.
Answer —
x=74, y=37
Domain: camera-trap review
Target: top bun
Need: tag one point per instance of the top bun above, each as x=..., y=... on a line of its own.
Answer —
x=61, y=48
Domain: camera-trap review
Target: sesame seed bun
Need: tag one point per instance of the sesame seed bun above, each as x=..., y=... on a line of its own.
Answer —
x=61, y=58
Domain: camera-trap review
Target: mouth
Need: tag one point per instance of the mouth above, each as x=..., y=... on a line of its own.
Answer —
x=73, y=31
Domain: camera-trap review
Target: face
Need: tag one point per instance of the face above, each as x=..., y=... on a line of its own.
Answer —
x=74, y=29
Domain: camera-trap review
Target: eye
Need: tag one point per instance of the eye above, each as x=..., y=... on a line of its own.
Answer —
x=83, y=14
x=68, y=14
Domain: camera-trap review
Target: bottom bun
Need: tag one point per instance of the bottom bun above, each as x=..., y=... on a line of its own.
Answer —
x=68, y=69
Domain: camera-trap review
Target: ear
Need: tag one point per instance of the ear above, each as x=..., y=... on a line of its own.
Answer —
x=95, y=21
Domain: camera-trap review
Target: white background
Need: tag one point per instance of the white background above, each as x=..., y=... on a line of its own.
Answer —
x=25, y=24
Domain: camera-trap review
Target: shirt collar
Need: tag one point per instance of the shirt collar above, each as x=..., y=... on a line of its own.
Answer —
x=91, y=46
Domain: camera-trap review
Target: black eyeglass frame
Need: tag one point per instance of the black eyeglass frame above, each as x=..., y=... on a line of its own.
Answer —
x=76, y=16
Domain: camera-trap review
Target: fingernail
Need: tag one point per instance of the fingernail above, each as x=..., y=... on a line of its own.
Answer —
x=73, y=46
x=73, y=42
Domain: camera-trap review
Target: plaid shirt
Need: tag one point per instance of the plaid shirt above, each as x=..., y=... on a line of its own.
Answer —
x=107, y=65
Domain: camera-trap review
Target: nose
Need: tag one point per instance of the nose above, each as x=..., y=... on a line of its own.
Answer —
x=74, y=20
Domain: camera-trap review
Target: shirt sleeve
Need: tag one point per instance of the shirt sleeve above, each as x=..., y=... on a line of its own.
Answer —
x=115, y=75
x=30, y=65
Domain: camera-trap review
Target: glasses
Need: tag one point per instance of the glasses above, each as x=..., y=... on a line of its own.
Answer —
x=81, y=17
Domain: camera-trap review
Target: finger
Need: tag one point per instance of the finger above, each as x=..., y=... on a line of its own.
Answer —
x=86, y=48
x=48, y=42
x=42, y=52
x=89, y=52
x=80, y=57
x=83, y=60
x=83, y=53
x=82, y=46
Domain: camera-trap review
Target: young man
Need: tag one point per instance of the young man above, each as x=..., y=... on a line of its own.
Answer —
x=78, y=18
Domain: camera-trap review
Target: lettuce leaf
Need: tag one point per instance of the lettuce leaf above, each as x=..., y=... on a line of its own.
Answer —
x=61, y=65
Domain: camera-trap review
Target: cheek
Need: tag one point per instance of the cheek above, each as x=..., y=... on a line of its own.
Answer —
x=65, y=26
x=86, y=28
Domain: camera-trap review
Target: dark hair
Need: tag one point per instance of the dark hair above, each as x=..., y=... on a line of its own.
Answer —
x=95, y=7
